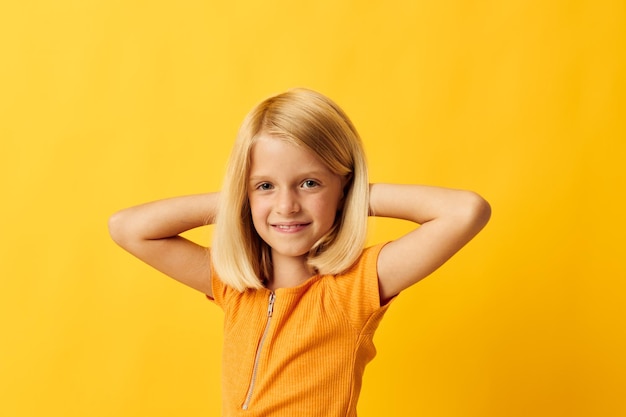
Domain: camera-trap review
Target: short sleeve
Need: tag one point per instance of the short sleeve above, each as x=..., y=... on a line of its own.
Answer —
x=357, y=291
x=219, y=289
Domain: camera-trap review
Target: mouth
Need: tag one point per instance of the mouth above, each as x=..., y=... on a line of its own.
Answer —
x=289, y=227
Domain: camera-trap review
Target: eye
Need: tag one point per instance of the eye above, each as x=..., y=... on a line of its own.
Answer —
x=310, y=184
x=265, y=186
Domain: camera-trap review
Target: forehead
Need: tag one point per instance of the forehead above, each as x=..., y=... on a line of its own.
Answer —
x=272, y=155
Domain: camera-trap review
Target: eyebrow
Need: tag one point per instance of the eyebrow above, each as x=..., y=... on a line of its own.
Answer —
x=312, y=174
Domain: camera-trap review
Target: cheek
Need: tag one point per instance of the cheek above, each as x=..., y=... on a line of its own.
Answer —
x=258, y=211
x=328, y=210
x=257, y=222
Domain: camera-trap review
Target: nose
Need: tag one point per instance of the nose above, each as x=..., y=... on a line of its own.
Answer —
x=287, y=202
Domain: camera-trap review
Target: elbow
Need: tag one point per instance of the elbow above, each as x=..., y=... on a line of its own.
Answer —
x=478, y=210
x=117, y=228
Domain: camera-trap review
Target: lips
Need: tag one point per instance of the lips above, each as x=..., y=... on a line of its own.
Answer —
x=289, y=227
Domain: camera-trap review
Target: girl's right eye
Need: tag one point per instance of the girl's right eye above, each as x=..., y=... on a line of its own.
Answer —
x=265, y=186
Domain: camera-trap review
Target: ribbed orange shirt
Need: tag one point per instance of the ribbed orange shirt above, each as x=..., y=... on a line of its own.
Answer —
x=300, y=352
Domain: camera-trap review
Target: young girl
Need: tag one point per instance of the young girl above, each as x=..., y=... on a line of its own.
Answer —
x=302, y=298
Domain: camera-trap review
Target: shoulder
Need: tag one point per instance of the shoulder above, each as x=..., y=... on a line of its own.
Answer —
x=221, y=293
x=368, y=258
x=358, y=286
x=366, y=265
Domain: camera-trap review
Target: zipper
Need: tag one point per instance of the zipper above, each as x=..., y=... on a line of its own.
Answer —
x=270, y=310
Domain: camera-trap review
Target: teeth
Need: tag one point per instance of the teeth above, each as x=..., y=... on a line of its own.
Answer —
x=287, y=227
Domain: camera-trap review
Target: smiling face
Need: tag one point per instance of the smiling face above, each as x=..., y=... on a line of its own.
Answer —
x=293, y=196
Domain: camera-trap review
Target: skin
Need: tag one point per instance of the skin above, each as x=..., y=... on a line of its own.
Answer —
x=289, y=186
x=294, y=200
x=448, y=220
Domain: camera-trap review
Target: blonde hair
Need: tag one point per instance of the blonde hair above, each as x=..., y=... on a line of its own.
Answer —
x=310, y=120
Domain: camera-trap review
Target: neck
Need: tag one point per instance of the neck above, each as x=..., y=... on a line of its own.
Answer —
x=288, y=272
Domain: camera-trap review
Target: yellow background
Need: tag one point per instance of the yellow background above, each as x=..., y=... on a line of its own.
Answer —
x=108, y=103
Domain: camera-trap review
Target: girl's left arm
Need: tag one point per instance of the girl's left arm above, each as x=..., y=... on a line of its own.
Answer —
x=448, y=219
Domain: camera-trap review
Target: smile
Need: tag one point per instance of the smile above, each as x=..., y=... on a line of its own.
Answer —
x=290, y=227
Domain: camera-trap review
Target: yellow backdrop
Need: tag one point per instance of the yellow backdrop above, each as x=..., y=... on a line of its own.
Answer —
x=106, y=103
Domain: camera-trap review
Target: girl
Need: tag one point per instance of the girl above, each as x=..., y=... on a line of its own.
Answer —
x=301, y=296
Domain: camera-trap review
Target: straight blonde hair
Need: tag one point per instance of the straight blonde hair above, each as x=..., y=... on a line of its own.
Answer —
x=308, y=119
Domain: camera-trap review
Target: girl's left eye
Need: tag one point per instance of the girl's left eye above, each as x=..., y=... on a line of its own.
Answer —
x=309, y=184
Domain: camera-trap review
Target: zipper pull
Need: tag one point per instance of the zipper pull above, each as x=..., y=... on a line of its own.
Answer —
x=270, y=307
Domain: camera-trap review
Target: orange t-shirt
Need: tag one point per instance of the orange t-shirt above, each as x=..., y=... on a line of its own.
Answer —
x=299, y=352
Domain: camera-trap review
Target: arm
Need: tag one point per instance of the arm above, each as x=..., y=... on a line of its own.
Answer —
x=151, y=233
x=448, y=219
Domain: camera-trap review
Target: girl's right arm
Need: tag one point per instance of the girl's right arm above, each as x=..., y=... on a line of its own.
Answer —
x=151, y=232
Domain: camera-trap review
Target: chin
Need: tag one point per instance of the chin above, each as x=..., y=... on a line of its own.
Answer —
x=290, y=251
